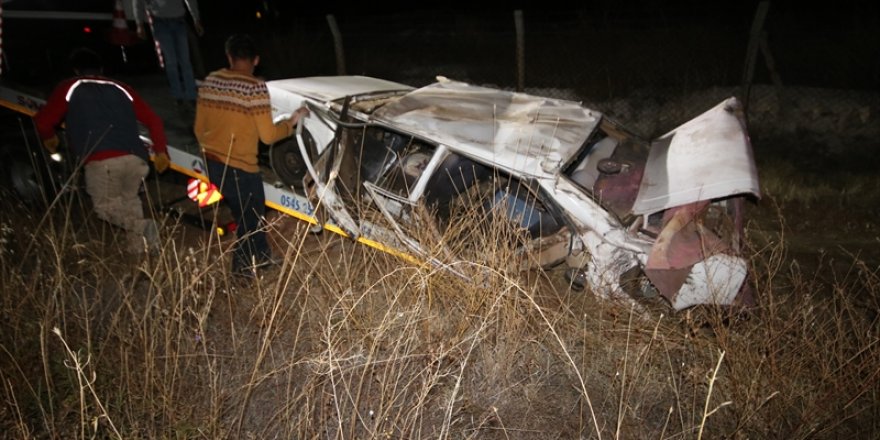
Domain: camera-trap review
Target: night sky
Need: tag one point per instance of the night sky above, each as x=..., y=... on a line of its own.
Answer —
x=223, y=13
x=227, y=10
x=30, y=44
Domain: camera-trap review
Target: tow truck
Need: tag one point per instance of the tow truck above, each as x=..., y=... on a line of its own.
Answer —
x=27, y=169
x=36, y=177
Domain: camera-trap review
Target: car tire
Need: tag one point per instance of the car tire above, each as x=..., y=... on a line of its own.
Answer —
x=287, y=162
x=20, y=177
x=576, y=278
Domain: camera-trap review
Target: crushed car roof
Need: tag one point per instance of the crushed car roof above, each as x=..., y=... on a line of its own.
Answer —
x=519, y=132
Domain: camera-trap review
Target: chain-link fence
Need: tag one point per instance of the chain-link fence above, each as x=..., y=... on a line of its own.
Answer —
x=648, y=70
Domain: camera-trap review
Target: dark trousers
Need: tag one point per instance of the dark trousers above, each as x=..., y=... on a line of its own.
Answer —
x=243, y=193
x=171, y=33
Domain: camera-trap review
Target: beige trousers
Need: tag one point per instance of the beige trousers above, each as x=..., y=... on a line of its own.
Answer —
x=114, y=186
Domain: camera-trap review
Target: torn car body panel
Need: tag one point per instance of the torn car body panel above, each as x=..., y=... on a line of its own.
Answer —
x=695, y=255
x=706, y=158
x=579, y=186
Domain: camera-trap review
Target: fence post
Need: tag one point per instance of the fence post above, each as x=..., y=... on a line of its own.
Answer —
x=520, y=51
x=752, y=51
x=337, y=44
x=771, y=64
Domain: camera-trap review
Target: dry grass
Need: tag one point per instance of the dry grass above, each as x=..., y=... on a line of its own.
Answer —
x=789, y=184
x=346, y=342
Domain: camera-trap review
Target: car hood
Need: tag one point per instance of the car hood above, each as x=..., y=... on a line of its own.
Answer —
x=331, y=88
x=528, y=134
x=706, y=158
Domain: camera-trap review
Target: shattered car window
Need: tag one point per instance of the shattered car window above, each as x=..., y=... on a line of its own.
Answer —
x=610, y=168
x=464, y=190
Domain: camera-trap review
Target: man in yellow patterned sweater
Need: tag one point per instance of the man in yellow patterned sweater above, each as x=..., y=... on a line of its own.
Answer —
x=232, y=115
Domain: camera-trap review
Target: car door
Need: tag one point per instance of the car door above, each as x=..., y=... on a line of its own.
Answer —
x=445, y=189
x=342, y=178
x=324, y=178
x=396, y=194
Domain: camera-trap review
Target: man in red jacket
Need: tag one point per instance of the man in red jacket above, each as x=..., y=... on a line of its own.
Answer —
x=101, y=120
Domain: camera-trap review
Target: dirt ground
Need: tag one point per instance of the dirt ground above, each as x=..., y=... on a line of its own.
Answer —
x=823, y=203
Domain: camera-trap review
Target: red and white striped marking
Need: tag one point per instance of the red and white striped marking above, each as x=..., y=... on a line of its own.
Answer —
x=155, y=41
x=192, y=189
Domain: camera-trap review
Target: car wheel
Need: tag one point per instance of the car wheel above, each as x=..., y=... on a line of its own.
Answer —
x=287, y=161
x=20, y=177
x=576, y=278
x=636, y=284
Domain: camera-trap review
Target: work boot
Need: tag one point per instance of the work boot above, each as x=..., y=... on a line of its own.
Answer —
x=269, y=262
x=151, y=235
x=147, y=241
x=257, y=269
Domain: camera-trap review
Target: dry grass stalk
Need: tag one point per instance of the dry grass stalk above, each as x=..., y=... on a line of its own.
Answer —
x=342, y=341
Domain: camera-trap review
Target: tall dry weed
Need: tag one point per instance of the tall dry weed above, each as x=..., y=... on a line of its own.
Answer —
x=343, y=341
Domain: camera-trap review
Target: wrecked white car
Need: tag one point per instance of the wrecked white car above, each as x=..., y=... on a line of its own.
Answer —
x=624, y=214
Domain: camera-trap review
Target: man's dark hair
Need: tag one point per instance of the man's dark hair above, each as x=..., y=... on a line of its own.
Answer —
x=85, y=61
x=241, y=47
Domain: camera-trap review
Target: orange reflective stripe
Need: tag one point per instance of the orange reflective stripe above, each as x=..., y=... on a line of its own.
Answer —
x=209, y=197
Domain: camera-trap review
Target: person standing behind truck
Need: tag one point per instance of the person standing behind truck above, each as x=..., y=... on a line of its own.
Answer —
x=232, y=115
x=170, y=31
x=101, y=117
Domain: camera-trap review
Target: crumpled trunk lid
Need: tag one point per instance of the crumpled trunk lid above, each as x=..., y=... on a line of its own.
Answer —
x=706, y=158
